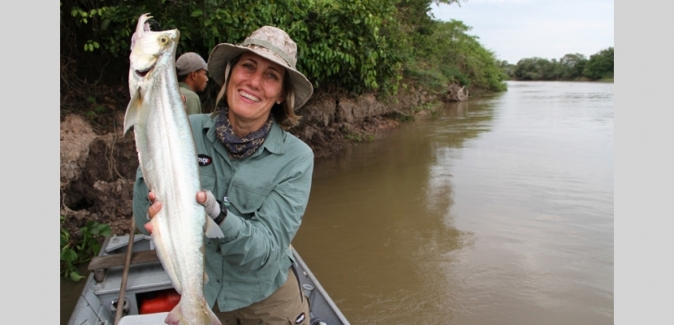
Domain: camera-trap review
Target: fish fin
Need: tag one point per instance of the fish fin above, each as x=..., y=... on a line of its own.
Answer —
x=212, y=229
x=132, y=111
x=174, y=317
x=205, y=278
x=211, y=315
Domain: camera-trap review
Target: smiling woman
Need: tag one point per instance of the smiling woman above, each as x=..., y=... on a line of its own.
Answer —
x=261, y=175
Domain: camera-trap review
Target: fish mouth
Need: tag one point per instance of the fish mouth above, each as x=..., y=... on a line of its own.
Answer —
x=143, y=73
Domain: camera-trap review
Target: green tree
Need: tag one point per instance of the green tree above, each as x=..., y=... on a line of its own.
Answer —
x=78, y=250
x=532, y=69
x=355, y=44
x=600, y=65
x=572, y=66
x=451, y=55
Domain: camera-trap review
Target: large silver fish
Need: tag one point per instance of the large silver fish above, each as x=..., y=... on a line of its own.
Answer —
x=168, y=160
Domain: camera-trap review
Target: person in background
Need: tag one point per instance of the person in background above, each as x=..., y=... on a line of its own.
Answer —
x=256, y=179
x=193, y=78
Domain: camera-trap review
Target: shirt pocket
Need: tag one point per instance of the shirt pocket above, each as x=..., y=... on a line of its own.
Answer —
x=247, y=200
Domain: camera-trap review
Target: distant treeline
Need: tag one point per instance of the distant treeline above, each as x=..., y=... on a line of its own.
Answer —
x=570, y=67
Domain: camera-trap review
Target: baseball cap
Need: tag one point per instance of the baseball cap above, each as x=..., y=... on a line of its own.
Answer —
x=189, y=62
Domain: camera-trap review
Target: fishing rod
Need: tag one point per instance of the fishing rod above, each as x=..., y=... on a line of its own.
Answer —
x=125, y=275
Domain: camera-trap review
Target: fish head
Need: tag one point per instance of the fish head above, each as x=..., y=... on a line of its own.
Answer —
x=150, y=51
x=152, y=64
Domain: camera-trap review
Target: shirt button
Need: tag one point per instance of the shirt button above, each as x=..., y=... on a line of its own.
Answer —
x=245, y=206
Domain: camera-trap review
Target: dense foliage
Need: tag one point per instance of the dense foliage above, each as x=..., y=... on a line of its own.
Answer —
x=570, y=67
x=76, y=250
x=600, y=65
x=357, y=45
x=449, y=54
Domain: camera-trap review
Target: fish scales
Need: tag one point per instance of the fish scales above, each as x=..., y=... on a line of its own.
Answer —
x=168, y=160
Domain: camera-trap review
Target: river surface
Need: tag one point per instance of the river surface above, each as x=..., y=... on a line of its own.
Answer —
x=493, y=211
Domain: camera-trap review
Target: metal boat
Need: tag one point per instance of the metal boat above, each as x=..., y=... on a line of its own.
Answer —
x=149, y=296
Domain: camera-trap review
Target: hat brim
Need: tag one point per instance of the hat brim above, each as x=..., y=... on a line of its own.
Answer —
x=225, y=52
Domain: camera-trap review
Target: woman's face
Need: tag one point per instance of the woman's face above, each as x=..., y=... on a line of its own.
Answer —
x=254, y=86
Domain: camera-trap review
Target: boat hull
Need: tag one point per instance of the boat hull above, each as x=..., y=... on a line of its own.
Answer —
x=147, y=279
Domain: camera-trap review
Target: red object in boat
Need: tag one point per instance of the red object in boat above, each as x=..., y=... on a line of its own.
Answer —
x=164, y=301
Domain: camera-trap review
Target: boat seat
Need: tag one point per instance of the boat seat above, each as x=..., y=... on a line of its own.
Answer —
x=99, y=264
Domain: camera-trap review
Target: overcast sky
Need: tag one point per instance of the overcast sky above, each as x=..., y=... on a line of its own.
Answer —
x=549, y=29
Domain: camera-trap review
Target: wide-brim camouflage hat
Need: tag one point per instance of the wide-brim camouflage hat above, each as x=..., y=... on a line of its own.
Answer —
x=270, y=43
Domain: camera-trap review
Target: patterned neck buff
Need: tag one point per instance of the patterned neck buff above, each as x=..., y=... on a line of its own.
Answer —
x=240, y=147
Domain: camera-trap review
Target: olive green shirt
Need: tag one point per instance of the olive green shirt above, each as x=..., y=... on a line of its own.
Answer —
x=192, y=101
x=268, y=191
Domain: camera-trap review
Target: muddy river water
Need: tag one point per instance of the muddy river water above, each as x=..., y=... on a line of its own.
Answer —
x=494, y=211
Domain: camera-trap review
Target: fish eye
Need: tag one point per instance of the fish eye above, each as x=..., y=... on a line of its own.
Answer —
x=163, y=40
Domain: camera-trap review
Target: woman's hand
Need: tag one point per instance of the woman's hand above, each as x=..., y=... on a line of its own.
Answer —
x=206, y=198
x=152, y=210
x=201, y=197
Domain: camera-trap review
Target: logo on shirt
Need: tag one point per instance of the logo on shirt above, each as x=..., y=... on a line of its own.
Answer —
x=205, y=160
x=299, y=318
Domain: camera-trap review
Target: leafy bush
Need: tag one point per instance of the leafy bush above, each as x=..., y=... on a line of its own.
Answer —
x=353, y=44
x=76, y=251
x=450, y=55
